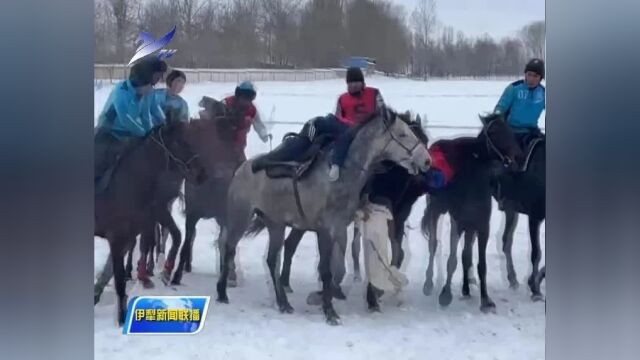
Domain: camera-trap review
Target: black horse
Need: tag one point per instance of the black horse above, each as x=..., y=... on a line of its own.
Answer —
x=467, y=198
x=524, y=192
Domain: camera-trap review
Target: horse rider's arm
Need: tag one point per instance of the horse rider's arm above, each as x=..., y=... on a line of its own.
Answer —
x=260, y=127
x=506, y=100
x=184, y=110
x=128, y=119
x=338, y=109
x=379, y=102
x=155, y=108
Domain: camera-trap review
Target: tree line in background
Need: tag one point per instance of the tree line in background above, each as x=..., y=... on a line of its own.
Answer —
x=310, y=33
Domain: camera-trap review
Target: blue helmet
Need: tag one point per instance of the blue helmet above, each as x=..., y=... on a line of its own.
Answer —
x=246, y=89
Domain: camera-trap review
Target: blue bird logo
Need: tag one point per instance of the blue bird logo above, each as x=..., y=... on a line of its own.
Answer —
x=148, y=45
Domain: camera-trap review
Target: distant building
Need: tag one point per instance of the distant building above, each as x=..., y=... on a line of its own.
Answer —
x=367, y=64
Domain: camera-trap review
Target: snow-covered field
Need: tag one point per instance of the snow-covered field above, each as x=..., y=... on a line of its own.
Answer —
x=411, y=326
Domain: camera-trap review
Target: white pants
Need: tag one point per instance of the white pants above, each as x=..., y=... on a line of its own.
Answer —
x=373, y=221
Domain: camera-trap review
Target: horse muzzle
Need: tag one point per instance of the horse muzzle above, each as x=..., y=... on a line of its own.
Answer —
x=420, y=159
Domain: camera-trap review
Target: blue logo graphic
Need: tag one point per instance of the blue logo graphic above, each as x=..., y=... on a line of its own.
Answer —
x=173, y=315
x=148, y=45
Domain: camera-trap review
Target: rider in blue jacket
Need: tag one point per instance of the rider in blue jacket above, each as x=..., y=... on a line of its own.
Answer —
x=169, y=100
x=128, y=113
x=523, y=101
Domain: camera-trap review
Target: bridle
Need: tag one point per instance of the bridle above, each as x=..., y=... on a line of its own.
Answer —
x=183, y=166
x=492, y=147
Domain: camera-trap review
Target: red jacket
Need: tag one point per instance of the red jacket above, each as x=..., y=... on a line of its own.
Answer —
x=353, y=109
x=244, y=124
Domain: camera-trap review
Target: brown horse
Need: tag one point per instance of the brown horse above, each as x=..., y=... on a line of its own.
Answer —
x=208, y=200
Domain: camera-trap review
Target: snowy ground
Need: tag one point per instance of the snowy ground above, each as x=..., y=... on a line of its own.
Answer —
x=411, y=325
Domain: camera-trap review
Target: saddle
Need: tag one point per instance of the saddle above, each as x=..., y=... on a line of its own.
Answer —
x=293, y=158
x=529, y=148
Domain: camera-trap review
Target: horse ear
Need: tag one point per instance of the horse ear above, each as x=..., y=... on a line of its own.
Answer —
x=419, y=120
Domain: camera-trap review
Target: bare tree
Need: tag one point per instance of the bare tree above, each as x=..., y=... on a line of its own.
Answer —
x=322, y=33
x=533, y=37
x=124, y=12
x=424, y=22
x=279, y=30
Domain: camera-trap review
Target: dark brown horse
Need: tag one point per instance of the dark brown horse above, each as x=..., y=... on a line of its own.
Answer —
x=467, y=199
x=208, y=200
x=140, y=190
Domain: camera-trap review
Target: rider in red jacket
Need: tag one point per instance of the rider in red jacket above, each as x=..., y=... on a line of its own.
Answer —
x=242, y=101
x=354, y=107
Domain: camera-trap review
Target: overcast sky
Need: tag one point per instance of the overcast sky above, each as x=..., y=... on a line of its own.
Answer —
x=498, y=18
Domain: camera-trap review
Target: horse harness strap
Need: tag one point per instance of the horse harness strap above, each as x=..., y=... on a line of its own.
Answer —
x=296, y=195
x=530, y=149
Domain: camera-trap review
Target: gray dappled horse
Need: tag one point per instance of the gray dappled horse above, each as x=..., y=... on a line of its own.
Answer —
x=327, y=207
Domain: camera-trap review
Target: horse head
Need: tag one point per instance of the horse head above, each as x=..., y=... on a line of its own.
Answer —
x=406, y=142
x=173, y=138
x=500, y=140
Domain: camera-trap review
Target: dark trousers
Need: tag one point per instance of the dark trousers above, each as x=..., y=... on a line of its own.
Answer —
x=343, y=133
x=106, y=150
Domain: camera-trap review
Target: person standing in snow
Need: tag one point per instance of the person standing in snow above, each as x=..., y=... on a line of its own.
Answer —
x=242, y=103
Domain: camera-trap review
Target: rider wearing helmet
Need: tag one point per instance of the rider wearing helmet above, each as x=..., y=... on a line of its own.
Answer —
x=242, y=102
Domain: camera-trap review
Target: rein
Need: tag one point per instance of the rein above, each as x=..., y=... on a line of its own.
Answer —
x=183, y=166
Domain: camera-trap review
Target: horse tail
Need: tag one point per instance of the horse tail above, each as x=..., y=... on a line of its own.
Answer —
x=255, y=227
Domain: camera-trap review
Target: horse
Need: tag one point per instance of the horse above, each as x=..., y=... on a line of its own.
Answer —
x=525, y=193
x=314, y=203
x=467, y=198
x=138, y=193
x=208, y=200
x=395, y=184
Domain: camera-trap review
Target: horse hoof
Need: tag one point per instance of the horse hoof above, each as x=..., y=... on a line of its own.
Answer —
x=357, y=278
x=314, y=298
x=96, y=299
x=472, y=281
x=427, y=289
x=374, y=308
x=187, y=268
x=128, y=277
x=514, y=285
x=445, y=298
x=288, y=289
x=334, y=321
x=148, y=284
x=286, y=309
x=537, y=297
x=150, y=272
x=466, y=293
x=176, y=281
x=223, y=300
x=166, y=278
x=338, y=294
x=488, y=308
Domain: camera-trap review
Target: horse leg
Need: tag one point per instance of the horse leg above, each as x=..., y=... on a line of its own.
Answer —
x=338, y=269
x=397, y=254
x=235, y=229
x=155, y=248
x=276, y=240
x=166, y=220
x=430, y=222
x=372, y=298
x=467, y=253
x=146, y=239
x=507, y=242
x=103, y=280
x=355, y=253
x=232, y=280
x=486, y=304
x=325, y=248
x=445, y=295
x=190, y=225
x=290, y=246
x=534, y=233
x=118, y=246
x=128, y=269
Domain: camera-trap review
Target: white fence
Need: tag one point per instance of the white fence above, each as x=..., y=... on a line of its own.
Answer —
x=115, y=72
